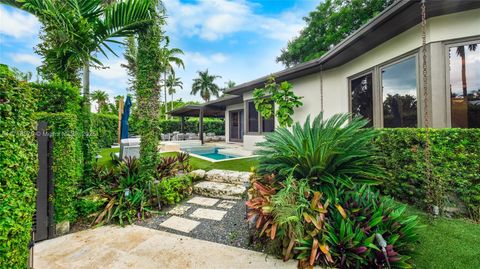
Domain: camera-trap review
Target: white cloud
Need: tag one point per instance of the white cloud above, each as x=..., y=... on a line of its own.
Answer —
x=18, y=24
x=113, y=70
x=202, y=60
x=213, y=19
x=26, y=58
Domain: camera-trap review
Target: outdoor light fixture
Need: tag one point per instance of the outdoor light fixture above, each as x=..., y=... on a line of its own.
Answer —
x=436, y=210
x=383, y=245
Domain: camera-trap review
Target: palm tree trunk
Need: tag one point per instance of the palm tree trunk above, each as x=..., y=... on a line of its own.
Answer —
x=165, y=92
x=172, y=103
x=86, y=86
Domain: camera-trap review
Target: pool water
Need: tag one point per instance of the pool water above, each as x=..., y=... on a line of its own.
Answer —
x=208, y=152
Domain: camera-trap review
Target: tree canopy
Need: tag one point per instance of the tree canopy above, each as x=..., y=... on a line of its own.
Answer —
x=327, y=25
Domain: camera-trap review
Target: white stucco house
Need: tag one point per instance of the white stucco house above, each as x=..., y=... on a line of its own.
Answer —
x=377, y=72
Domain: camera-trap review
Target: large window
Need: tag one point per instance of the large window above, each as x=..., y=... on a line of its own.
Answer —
x=399, y=91
x=256, y=123
x=361, y=90
x=465, y=85
x=252, y=118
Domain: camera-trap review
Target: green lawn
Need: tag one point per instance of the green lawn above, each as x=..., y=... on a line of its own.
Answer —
x=445, y=243
x=237, y=165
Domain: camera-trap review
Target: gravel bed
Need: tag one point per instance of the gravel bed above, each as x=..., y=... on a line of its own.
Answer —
x=232, y=230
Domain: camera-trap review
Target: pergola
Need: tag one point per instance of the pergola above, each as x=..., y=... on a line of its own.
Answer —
x=211, y=109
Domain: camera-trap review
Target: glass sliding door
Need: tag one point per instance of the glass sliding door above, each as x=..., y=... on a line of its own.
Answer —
x=236, y=126
x=464, y=69
x=399, y=91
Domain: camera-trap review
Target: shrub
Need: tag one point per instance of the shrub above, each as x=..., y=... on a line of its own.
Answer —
x=57, y=96
x=455, y=157
x=67, y=163
x=173, y=190
x=326, y=152
x=105, y=127
x=309, y=227
x=18, y=169
x=90, y=204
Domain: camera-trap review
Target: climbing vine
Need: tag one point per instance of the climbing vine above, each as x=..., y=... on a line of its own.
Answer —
x=148, y=93
x=280, y=94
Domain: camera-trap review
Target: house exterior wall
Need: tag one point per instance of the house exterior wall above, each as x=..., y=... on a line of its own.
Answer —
x=440, y=31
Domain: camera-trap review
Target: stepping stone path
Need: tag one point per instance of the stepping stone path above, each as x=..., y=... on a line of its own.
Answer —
x=224, y=184
x=184, y=222
x=218, y=192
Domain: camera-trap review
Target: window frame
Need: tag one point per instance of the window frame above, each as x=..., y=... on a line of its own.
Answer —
x=446, y=46
x=370, y=71
x=377, y=91
x=260, y=121
x=419, y=96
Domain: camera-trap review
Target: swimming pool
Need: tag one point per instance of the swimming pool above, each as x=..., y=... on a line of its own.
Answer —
x=208, y=152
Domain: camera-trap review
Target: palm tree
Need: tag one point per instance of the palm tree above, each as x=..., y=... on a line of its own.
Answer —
x=230, y=84
x=101, y=98
x=87, y=27
x=173, y=82
x=205, y=85
x=169, y=57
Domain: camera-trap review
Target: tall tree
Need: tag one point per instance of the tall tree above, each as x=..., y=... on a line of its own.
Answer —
x=101, y=98
x=327, y=25
x=75, y=31
x=172, y=83
x=169, y=57
x=205, y=85
x=147, y=91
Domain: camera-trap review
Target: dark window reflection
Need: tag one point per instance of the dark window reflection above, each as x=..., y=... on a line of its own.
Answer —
x=252, y=118
x=362, y=99
x=268, y=125
x=465, y=86
x=399, y=82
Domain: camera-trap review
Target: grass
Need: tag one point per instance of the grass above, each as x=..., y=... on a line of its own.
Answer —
x=447, y=243
x=237, y=165
x=106, y=160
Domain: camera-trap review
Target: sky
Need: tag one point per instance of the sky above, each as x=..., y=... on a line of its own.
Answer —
x=235, y=39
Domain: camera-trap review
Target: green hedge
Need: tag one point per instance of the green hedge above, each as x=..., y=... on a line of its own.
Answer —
x=216, y=126
x=105, y=126
x=57, y=96
x=455, y=156
x=18, y=169
x=67, y=164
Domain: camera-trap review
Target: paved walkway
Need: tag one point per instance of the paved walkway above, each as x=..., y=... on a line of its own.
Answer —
x=139, y=247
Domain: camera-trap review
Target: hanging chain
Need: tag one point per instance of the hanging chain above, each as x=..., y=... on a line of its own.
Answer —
x=434, y=188
x=321, y=87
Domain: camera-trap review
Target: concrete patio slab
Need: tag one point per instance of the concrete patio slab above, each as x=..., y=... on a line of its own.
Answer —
x=180, y=224
x=203, y=213
x=204, y=201
x=139, y=247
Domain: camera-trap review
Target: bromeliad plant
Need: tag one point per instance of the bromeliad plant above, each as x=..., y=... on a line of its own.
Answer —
x=329, y=153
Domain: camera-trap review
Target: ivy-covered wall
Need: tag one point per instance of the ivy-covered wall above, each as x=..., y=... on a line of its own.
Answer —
x=455, y=157
x=67, y=164
x=105, y=126
x=18, y=169
x=57, y=96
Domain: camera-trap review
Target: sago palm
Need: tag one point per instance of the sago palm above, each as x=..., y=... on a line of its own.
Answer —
x=328, y=153
x=172, y=83
x=205, y=85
